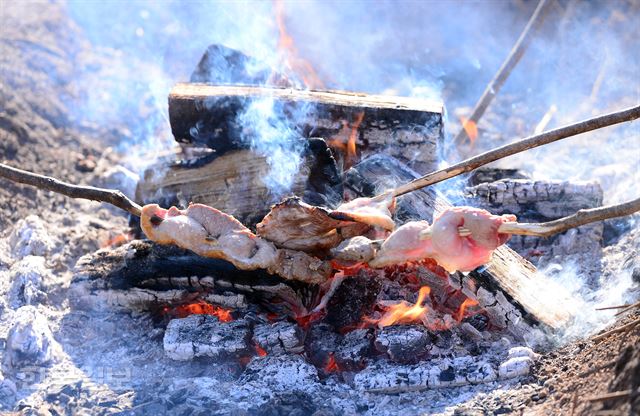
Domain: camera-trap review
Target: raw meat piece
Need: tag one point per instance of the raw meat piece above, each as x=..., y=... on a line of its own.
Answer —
x=446, y=246
x=373, y=211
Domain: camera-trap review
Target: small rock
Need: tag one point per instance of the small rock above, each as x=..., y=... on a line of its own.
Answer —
x=86, y=163
x=30, y=237
x=30, y=341
x=27, y=280
x=522, y=352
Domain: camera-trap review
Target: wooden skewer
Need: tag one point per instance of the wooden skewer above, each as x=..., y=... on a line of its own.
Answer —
x=531, y=142
x=545, y=229
x=512, y=60
x=110, y=196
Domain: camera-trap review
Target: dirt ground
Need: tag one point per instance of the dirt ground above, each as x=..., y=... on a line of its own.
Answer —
x=40, y=131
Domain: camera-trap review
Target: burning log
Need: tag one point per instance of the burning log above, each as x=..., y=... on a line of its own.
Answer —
x=406, y=128
x=142, y=275
x=509, y=283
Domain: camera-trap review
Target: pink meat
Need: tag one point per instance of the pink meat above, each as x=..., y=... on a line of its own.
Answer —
x=453, y=252
x=446, y=246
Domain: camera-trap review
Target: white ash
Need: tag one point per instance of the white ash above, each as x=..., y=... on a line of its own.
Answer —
x=30, y=341
x=29, y=278
x=205, y=336
x=279, y=338
x=279, y=373
x=30, y=237
x=405, y=344
x=8, y=392
x=430, y=374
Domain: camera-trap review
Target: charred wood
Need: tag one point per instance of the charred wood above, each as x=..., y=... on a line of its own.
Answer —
x=407, y=128
x=142, y=275
x=205, y=336
x=541, y=201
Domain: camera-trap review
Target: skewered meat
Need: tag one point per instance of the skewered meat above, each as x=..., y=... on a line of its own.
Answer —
x=211, y=233
x=299, y=226
x=446, y=246
x=356, y=249
x=373, y=211
x=296, y=225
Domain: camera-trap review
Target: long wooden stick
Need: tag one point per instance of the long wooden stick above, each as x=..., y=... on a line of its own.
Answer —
x=110, y=196
x=531, y=142
x=582, y=217
x=545, y=229
x=503, y=73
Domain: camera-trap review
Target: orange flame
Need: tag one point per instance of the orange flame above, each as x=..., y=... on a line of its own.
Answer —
x=117, y=240
x=350, y=133
x=199, y=308
x=405, y=312
x=468, y=302
x=351, y=156
x=287, y=47
x=470, y=127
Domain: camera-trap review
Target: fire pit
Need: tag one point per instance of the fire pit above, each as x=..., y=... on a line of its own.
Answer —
x=289, y=303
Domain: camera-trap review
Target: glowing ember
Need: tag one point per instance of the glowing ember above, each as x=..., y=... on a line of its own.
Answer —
x=260, y=351
x=470, y=127
x=199, y=308
x=348, y=270
x=118, y=240
x=287, y=47
x=405, y=312
x=332, y=365
x=305, y=321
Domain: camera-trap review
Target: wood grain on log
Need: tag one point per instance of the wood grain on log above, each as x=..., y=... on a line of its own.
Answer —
x=208, y=115
x=233, y=182
x=508, y=273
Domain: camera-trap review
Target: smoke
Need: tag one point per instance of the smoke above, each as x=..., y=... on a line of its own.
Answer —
x=583, y=62
x=271, y=134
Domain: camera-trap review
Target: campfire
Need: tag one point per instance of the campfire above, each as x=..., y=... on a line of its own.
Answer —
x=299, y=241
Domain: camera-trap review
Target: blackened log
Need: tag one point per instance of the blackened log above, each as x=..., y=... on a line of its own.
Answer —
x=407, y=128
x=508, y=274
x=143, y=275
